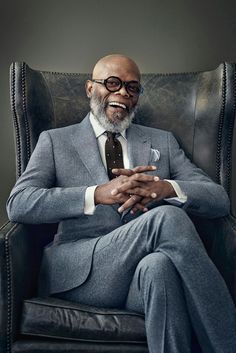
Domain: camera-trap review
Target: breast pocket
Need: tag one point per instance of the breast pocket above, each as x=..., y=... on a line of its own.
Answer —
x=155, y=155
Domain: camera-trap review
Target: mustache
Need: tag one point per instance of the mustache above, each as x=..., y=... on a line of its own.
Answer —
x=98, y=108
x=102, y=105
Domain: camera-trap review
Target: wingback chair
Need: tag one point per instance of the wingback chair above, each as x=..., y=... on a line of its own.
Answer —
x=199, y=108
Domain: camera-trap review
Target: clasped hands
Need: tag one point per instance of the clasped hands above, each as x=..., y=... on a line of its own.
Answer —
x=133, y=188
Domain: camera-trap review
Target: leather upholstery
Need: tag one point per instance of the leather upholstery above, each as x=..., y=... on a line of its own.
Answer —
x=53, y=346
x=199, y=108
x=55, y=318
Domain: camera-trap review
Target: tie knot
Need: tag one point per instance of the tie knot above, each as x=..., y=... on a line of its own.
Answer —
x=111, y=135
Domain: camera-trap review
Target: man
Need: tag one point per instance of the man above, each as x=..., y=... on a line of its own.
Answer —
x=131, y=233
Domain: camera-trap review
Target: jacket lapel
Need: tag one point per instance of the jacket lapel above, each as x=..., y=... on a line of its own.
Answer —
x=86, y=145
x=139, y=146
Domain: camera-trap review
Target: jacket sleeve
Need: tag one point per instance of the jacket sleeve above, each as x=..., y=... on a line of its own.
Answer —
x=35, y=199
x=204, y=197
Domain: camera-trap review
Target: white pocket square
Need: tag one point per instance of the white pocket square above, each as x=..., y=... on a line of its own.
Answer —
x=155, y=155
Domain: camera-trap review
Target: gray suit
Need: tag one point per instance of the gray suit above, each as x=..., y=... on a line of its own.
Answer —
x=52, y=189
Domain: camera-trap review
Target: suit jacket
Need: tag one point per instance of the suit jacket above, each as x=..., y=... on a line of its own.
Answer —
x=52, y=189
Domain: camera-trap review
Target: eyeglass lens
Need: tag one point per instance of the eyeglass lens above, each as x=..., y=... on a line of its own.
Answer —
x=113, y=84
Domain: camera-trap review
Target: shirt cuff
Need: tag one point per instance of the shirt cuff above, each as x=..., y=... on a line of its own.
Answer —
x=181, y=196
x=89, y=205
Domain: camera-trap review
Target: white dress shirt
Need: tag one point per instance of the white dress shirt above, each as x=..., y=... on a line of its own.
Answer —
x=89, y=205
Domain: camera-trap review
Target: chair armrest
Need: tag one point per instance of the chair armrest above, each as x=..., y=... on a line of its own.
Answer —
x=219, y=237
x=20, y=255
x=224, y=251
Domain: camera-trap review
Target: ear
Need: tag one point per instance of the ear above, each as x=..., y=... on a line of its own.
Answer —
x=88, y=88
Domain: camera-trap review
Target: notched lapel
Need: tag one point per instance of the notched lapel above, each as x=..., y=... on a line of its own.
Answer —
x=139, y=146
x=86, y=145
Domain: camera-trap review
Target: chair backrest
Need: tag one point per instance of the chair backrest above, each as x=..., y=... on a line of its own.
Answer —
x=199, y=108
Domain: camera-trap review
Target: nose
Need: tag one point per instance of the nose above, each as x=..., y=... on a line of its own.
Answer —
x=123, y=91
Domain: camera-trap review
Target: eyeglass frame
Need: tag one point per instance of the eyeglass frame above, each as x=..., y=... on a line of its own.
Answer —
x=122, y=83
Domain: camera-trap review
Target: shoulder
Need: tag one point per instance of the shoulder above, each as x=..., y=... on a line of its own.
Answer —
x=63, y=134
x=62, y=131
x=70, y=130
x=151, y=132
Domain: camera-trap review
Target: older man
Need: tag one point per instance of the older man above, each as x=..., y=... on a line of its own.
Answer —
x=124, y=238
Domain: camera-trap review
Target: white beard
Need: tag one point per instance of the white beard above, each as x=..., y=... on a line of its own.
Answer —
x=98, y=110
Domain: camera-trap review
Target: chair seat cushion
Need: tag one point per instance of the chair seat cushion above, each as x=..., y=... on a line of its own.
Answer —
x=56, y=318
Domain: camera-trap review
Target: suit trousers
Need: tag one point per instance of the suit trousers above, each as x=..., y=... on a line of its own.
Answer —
x=157, y=265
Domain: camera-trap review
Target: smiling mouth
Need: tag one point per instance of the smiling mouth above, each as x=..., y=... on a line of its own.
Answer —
x=118, y=105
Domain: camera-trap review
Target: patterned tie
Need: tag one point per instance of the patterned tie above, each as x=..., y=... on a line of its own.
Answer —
x=113, y=152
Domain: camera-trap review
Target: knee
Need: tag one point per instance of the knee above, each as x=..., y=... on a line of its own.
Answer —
x=167, y=214
x=170, y=226
x=155, y=267
x=170, y=212
x=172, y=218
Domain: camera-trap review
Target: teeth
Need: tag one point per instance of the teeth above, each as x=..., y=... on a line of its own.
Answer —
x=116, y=104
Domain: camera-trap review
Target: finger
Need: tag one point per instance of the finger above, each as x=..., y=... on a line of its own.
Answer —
x=121, y=198
x=138, y=206
x=140, y=192
x=129, y=203
x=134, y=210
x=138, y=169
x=148, y=193
x=124, y=187
x=144, y=168
x=141, y=177
x=144, y=204
x=133, y=183
x=145, y=201
x=122, y=171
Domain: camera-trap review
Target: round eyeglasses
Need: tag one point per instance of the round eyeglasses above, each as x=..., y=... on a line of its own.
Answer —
x=114, y=84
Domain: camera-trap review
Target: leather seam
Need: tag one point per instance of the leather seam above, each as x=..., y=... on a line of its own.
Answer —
x=220, y=126
x=15, y=121
x=9, y=295
x=81, y=339
x=38, y=303
x=24, y=100
x=193, y=73
x=230, y=137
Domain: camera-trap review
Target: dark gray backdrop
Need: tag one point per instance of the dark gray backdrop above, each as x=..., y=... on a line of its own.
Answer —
x=70, y=35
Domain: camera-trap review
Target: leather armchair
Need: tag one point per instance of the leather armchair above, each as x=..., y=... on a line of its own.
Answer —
x=199, y=108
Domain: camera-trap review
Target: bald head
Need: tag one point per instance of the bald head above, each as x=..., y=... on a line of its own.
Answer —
x=116, y=65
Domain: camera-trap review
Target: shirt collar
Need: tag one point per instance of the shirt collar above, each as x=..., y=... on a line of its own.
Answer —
x=99, y=129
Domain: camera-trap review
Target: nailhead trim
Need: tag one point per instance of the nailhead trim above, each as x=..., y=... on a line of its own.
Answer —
x=220, y=126
x=146, y=74
x=24, y=100
x=15, y=121
x=9, y=296
x=230, y=139
x=228, y=172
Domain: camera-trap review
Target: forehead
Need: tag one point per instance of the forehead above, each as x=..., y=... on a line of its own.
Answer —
x=123, y=69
